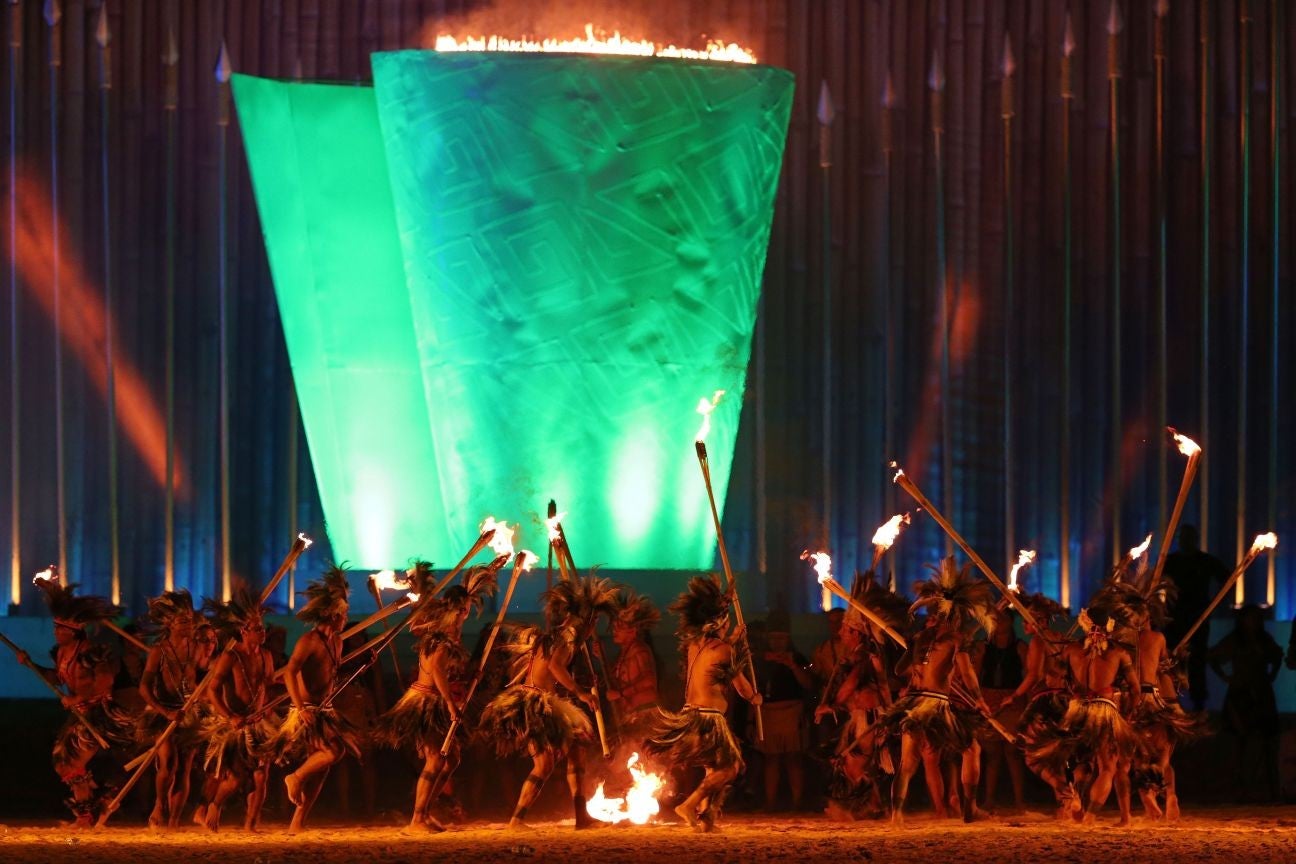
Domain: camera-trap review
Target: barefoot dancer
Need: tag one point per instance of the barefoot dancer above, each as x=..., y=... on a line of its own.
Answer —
x=634, y=674
x=531, y=716
x=423, y=715
x=699, y=735
x=235, y=729
x=930, y=727
x=313, y=734
x=174, y=665
x=1093, y=735
x=84, y=669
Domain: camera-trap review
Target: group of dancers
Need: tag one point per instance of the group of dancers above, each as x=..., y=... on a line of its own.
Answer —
x=1097, y=710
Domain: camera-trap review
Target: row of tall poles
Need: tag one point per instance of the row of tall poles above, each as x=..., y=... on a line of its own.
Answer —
x=1116, y=468
x=52, y=13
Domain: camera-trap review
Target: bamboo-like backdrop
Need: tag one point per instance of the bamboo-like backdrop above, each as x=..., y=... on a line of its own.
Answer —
x=1102, y=231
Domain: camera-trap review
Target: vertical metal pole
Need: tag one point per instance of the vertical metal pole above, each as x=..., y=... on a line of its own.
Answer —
x=825, y=116
x=54, y=18
x=1064, y=456
x=1207, y=139
x=222, y=121
x=1275, y=308
x=1162, y=338
x=171, y=101
x=1244, y=134
x=15, y=355
x=293, y=456
x=936, y=81
x=888, y=301
x=104, y=40
x=1117, y=479
x=1006, y=113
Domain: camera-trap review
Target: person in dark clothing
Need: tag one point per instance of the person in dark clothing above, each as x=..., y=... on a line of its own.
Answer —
x=1197, y=575
x=1250, y=714
x=784, y=680
x=1001, y=669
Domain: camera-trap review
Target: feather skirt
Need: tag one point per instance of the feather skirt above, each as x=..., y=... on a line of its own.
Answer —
x=74, y=740
x=188, y=733
x=231, y=749
x=694, y=738
x=303, y=733
x=1155, y=716
x=1089, y=726
x=527, y=720
x=930, y=716
x=420, y=718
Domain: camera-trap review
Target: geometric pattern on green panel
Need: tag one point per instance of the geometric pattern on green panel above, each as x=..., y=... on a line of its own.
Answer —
x=320, y=175
x=583, y=241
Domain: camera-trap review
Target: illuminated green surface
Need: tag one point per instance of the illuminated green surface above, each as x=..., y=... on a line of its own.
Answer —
x=584, y=239
x=320, y=176
x=541, y=264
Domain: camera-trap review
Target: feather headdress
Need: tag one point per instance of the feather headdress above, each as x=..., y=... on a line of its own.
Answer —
x=703, y=608
x=1097, y=626
x=883, y=602
x=1125, y=603
x=71, y=610
x=635, y=610
x=953, y=595
x=169, y=606
x=326, y=597
x=243, y=608
x=441, y=614
x=581, y=597
x=1043, y=608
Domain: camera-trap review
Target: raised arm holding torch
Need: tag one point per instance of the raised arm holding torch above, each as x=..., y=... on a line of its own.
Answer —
x=1193, y=451
x=1262, y=542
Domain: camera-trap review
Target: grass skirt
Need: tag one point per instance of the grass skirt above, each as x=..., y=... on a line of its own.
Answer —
x=150, y=724
x=1089, y=727
x=1154, y=715
x=931, y=717
x=694, y=738
x=527, y=720
x=420, y=718
x=236, y=750
x=75, y=743
x=303, y=733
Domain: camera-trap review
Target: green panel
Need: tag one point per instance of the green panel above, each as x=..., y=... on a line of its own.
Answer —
x=584, y=239
x=320, y=175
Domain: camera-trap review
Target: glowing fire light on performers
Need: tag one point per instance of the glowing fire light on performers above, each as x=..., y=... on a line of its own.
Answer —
x=502, y=541
x=885, y=536
x=1025, y=558
x=705, y=407
x=597, y=42
x=640, y=802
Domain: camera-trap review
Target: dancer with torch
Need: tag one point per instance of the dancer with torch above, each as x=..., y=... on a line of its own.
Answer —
x=424, y=715
x=698, y=736
x=85, y=670
x=705, y=408
x=1189, y=448
x=531, y=717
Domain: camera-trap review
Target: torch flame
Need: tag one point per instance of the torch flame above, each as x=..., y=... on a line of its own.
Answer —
x=49, y=574
x=1138, y=551
x=305, y=540
x=502, y=542
x=1187, y=446
x=705, y=407
x=890, y=530
x=387, y=580
x=412, y=597
x=899, y=473
x=1025, y=558
x=640, y=804
x=527, y=559
x=1264, y=541
x=597, y=42
x=822, y=564
x=552, y=523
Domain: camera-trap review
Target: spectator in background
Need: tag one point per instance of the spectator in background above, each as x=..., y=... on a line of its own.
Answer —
x=824, y=661
x=1001, y=667
x=1197, y=575
x=784, y=680
x=1253, y=659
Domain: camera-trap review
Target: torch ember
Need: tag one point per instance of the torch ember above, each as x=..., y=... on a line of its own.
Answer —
x=705, y=407
x=638, y=806
x=822, y=565
x=387, y=580
x=597, y=42
x=1025, y=558
x=1186, y=445
x=551, y=525
x=1264, y=541
x=1139, y=550
x=502, y=541
x=886, y=535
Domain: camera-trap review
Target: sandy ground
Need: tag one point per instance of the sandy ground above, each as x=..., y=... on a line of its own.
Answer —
x=1235, y=836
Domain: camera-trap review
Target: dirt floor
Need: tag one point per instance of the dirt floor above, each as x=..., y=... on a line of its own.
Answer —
x=1231, y=835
